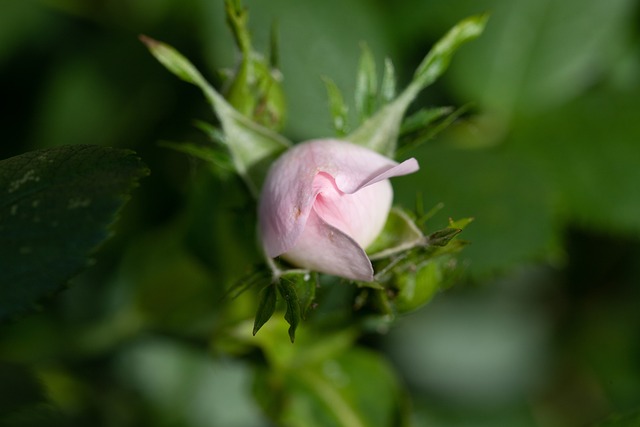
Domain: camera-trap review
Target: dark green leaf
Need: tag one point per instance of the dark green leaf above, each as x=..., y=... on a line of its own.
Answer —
x=442, y=237
x=292, y=315
x=56, y=206
x=266, y=307
x=305, y=285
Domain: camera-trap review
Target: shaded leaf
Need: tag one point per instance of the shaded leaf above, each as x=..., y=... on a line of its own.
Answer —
x=266, y=307
x=305, y=284
x=56, y=206
x=292, y=315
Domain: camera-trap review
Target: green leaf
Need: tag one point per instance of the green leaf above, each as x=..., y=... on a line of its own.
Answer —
x=293, y=314
x=400, y=233
x=380, y=132
x=442, y=237
x=305, y=285
x=56, y=207
x=366, y=85
x=266, y=307
x=338, y=109
x=356, y=388
x=250, y=144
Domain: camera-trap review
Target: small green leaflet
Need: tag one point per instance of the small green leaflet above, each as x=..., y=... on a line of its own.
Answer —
x=56, y=207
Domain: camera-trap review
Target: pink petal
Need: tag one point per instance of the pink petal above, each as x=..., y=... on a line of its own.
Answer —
x=326, y=249
x=360, y=215
x=289, y=194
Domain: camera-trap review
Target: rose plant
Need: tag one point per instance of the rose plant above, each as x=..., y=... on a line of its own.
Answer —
x=324, y=204
x=324, y=201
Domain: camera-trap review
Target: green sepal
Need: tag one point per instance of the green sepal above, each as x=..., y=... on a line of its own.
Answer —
x=388, y=85
x=251, y=145
x=437, y=60
x=366, y=92
x=380, y=132
x=400, y=233
x=266, y=307
x=305, y=284
x=337, y=107
x=293, y=313
x=442, y=237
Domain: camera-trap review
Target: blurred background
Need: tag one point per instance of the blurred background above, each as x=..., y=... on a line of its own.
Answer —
x=544, y=329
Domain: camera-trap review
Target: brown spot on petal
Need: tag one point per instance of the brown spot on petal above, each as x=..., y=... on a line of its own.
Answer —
x=297, y=212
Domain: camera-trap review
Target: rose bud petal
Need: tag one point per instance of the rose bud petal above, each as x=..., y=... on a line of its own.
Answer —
x=324, y=201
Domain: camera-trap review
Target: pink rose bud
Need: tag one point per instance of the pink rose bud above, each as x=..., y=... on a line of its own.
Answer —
x=324, y=201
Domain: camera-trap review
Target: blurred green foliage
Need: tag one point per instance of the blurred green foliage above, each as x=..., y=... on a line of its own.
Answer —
x=542, y=332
